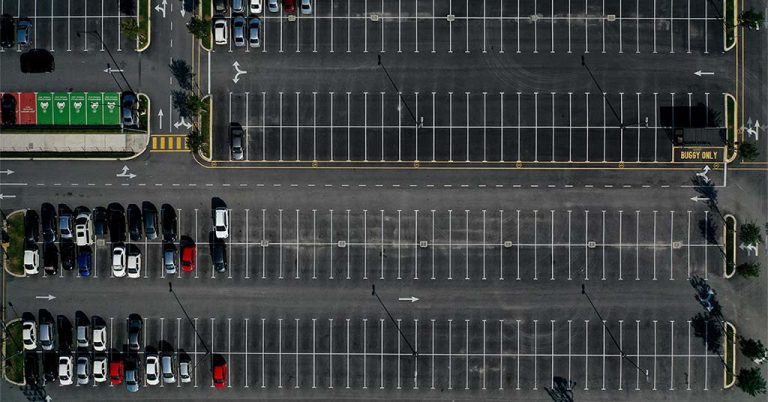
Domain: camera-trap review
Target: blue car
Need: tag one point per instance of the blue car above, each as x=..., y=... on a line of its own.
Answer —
x=85, y=261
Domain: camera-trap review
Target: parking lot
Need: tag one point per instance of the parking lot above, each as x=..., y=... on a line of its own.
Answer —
x=443, y=26
x=443, y=245
x=59, y=25
x=503, y=126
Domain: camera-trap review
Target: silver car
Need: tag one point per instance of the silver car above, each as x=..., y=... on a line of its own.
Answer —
x=238, y=30
x=166, y=365
x=273, y=6
x=237, y=143
x=83, y=370
x=253, y=32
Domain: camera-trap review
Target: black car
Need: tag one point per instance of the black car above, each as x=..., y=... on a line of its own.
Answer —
x=31, y=368
x=64, y=329
x=169, y=222
x=8, y=109
x=7, y=31
x=50, y=226
x=31, y=226
x=135, y=325
x=50, y=365
x=134, y=222
x=220, y=6
x=219, y=254
x=51, y=258
x=129, y=108
x=68, y=254
x=116, y=217
x=99, y=217
x=149, y=212
x=66, y=221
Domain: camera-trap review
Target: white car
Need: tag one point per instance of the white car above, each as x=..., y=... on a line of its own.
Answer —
x=83, y=370
x=100, y=364
x=221, y=222
x=153, y=369
x=31, y=260
x=254, y=6
x=273, y=6
x=185, y=371
x=29, y=335
x=65, y=370
x=99, y=338
x=83, y=229
x=220, y=31
x=133, y=267
x=118, y=261
x=306, y=7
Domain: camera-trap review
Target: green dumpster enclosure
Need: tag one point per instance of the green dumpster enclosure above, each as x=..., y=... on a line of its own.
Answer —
x=77, y=113
x=44, y=108
x=95, y=108
x=61, y=108
x=111, y=108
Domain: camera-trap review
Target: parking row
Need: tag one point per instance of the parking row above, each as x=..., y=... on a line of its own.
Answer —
x=499, y=26
x=453, y=244
x=441, y=353
x=470, y=127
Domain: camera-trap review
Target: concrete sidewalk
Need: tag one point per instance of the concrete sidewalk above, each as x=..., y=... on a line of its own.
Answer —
x=71, y=142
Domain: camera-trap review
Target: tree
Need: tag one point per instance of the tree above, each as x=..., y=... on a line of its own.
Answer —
x=182, y=72
x=748, y=151
x=195, y=105
x=180, y=102
x=753, y=350
x=708, y=329
x=748, y=269
x=751, y=381
x=195, y=140
x=750, y=19
x=200, y=28
x=131, y=29
x=749, y=233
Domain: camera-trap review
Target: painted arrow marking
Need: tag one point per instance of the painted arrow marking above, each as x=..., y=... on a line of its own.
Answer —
x=49, y=297
x=125, y=173
x=700, y=73
x=110, y=70
x=3, y=196
x=238, y=72
x=7, y=171
x=411, y=299
x=160, y=117
x=158, y=8
x=697, y=199
x=182, y=122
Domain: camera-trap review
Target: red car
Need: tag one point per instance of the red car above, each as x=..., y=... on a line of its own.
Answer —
x=289, y=6
x=116, y=372
x=220, y=375
x=188, y=253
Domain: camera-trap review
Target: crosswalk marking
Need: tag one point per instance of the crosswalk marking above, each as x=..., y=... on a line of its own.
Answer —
x=169, y=143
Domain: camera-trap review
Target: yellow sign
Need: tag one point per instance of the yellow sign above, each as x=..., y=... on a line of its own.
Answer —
x=698, y=154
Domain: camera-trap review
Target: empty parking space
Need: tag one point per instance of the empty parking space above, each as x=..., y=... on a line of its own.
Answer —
x=501, y=126
x=448, y=26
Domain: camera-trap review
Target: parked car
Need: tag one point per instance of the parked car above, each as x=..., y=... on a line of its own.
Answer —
x=6, y=32
x=67, y=253
x=83, y=369
x=23, y=32
x=31, y=226
x=31, y=368
x=129, y=109
x=65, y=221
x=188, y=255
x=65, y=369
x=306, y=7
x=238, y=6
x=116, y=372
x=185, y=369
x=289, y=6
x=238, y=30
x=219, y=255
x=273, y=6
x=254, y=7
x=100, y=364
x=116, y=222
x=50, y=259
x=82, y=330
x=253, y=33
x=28, y=331
x=166, y=365
x=85, y=261
x=84, y=229
x=134, y=222
x=220, y=375
x=133, y=264
x=50, y=366
x=48, y=221
x=47, y=331
x=119, y=258
x=220, y=6
x=8, y=109
x=31, y=258
x=152, y=369
x=220, y=30
x=99, y=217
x=169, y=258
x=132, y=377
x=221, y=222
x=169, y=222
x=99, y=334
x=236, y=140
x=134, y=332
x=149, y=212
x=64, y=329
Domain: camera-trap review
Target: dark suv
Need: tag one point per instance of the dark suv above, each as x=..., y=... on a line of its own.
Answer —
x=149, y=212
x=48, y=212
x=8, y=109
x=31, y=226
x=135, y=325
x=134, y=222
x=7, y=31
x=169, y=222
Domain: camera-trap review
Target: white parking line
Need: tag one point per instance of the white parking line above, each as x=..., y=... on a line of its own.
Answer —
x=263, y=372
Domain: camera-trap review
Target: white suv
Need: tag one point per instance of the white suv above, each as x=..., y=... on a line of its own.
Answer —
x=99, y=338
x=83, y=229
x=221, y=222
x=65, y=370
x=29, y=335
x=31, y=260
x=255, y=6
x=153, y=369
x=134, y=266
x=118, y=261
x=220, y=31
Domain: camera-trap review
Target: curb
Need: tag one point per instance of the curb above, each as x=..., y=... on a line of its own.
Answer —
x=20, y=384
x=727, y=275
x=210, y=128
x=200, y=15
x=148, y=131
x=149, y=26
x=729, y=328
x=726, y=46
x=726, y=99
x=5, y=258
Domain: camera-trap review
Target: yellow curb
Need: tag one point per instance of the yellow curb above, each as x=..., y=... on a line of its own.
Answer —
x=726, y=99
x=149, y=25
x=727, y=275
x=729, y=328
x=20, y=384
x=5, y=257
x=209, y=98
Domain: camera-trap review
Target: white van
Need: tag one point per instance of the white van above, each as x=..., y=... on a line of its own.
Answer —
x=220, y=31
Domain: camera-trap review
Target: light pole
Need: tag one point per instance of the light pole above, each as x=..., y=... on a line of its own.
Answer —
x=373, y=292
x=621, y=351
x=207, y=351
x=622, y=125
x=120, y=70
x=399, y=94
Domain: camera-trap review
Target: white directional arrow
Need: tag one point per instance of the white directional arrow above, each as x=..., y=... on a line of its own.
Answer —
x=110, y=70
x=697, y=199
x=160, y=117
x=125, y=173
x=49, y=297
x=238, y=72
x=700, y=73
x=3, y=196
x=411, y=299
x=182, y=122
x=704, y=173
x=183, y=13
x=161, y=9
x=7, y=171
